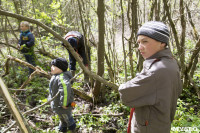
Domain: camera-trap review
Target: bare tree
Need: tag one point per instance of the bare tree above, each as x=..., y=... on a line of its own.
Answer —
x=101, y=47
x=123, y=44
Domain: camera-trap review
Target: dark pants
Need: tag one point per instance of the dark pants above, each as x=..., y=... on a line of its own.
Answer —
x=72, y=60
x=30, y=58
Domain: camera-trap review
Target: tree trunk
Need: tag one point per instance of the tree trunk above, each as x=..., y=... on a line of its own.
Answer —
x=38, y=31
x=157, y=10
x=134, y=28
x=182, y=40
x=153, y=5
x=83, y=29
x=144, y=11
x=123, y=44
x=101, y=47
x=166, y=7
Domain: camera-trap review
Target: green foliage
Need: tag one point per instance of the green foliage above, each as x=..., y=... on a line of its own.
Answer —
x=77, y=85
x=186, y=117
x=55, y=5
x=37, y=91
x=16, y=77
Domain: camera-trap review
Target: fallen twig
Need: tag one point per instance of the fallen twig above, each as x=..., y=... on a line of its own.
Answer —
x=17, y=89
x=29, y=79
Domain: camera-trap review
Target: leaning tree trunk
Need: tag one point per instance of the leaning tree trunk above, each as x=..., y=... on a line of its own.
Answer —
x=101, y=47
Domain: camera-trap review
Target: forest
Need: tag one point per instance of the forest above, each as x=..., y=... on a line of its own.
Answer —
x=109, y=28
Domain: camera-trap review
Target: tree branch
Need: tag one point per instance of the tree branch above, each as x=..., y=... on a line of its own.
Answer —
x=45, y=53
x=39, y=70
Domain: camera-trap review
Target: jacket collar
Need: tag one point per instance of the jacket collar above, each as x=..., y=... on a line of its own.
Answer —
x=25, y=32
x=166, y=53
x=163, y=53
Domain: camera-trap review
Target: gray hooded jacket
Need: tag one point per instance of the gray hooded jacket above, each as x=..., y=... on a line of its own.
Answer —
x=153, y=93
x=61, y=83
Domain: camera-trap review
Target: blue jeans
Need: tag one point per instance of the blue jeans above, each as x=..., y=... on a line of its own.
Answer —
x=66, y=120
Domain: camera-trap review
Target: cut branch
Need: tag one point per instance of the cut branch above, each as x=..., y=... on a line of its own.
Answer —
x=39, y=70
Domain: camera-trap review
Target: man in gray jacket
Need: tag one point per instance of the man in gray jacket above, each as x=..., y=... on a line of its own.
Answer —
x=153, y=93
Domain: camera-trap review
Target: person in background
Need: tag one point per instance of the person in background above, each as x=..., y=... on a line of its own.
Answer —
x=26, y=44
x=76, y=40
x=153, y=93
x=61, y=105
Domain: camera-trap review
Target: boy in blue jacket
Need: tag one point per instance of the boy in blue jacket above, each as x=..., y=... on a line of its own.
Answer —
x=26, y=44
x=61, y=105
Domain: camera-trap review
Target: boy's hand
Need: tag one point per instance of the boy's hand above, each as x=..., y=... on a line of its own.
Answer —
x=64, y=107
x=23, y=47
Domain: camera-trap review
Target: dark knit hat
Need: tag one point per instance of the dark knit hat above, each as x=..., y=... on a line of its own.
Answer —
x=73, y=42
x=155, y=30
x=60, y=63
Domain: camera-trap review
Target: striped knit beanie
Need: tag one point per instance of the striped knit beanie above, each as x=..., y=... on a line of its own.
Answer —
x=155, y=30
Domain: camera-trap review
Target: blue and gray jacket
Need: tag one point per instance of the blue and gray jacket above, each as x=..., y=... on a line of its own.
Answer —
x=61, y=83
x=28, y=39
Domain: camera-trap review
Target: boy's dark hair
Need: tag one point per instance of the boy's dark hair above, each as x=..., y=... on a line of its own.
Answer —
x=61, y=63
